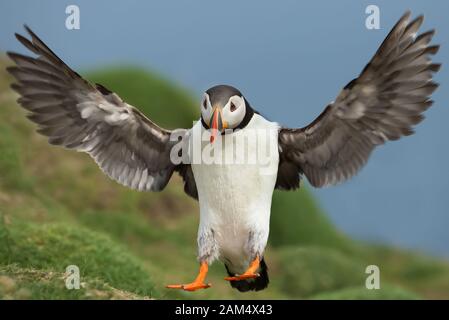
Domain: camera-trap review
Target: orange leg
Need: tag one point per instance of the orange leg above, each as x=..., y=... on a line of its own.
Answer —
x=249, y=273
x=198, y=283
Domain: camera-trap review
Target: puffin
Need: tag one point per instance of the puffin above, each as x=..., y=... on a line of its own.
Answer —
x=382, y=104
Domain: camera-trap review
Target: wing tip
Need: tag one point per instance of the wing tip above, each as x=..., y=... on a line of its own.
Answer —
x=28, y=29
x=416, y=23
x=406, y=14
x=11, y=54
x=15, y=87
x=404, y=19
x=433, y=49
x=435, y=67
x=419, y=19
x=12, y=70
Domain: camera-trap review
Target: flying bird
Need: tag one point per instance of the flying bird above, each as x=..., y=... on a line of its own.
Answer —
x=383, y=103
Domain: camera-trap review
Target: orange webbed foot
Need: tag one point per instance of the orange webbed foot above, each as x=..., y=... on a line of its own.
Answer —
x=190, y=286
x=250, y=273
x=197, y=284
x=243, y=276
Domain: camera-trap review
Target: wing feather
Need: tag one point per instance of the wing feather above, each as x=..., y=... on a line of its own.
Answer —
x=126, y=145
x=383, y=103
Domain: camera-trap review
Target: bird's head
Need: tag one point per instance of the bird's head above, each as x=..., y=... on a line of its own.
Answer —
x=223, y=107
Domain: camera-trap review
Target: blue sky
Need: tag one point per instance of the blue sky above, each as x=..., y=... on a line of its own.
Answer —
x=290, y=59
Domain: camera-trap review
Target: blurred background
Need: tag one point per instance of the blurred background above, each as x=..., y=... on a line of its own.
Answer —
x=289, y=61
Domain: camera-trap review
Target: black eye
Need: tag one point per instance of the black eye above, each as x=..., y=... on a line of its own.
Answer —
x=205, y=104
x=233, y=107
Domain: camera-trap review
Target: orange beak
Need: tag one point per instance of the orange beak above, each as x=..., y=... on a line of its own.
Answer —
x=216, y=124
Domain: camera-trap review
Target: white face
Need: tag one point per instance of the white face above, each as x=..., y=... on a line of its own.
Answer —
x=232, y=112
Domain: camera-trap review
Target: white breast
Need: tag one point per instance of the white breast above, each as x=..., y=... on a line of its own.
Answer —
x=235, y=193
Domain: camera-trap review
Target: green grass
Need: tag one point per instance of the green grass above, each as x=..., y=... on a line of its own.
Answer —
x=57, y=209
x=298, y=220
x=53, y=247
x=12, y=176
x=19, y=283
x=311, y=270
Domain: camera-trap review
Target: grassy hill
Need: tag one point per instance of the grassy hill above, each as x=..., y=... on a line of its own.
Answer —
x=58, y=209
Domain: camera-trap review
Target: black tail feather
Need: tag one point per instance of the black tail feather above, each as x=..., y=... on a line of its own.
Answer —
x=255, y=284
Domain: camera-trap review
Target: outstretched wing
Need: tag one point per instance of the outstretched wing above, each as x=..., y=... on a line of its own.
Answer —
x=71, y=112
x=383, y=103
